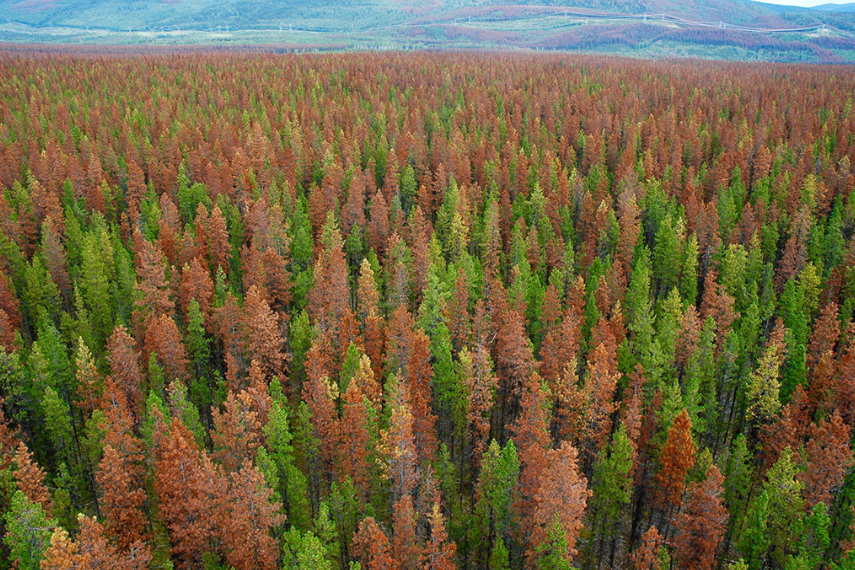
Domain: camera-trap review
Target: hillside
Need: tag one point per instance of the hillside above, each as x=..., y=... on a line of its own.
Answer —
x=837, y=7
x=726, y=29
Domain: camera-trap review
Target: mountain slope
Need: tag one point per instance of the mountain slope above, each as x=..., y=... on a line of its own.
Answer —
x=836, y=8
x=730, y=29
x=338, y=15
x=193, y=14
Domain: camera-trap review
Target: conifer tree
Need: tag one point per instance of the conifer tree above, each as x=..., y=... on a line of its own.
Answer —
x=785, y=506
x=352, y=450
x=600, y=386
x=124, y=368
x=187, y=485
x=829, y=455
x=237, y=431
x=219, y=248
x=611, y=489
x=701, y=527
x=155, y=298
x=278, y=441
x=248, y=518
x=647, y=556
x=28, y=530
x=92, y=550
x=406, y=548
x=163, y=339
x=30, y=478
x=120, y=477
x=371, y=547
x=439, y=551
x=754, y=541
x=399, y=442
x=762, y=388
x=494, y=517
x=264, y=340
x=675, y=460
x=531, y=438
x=560, y=503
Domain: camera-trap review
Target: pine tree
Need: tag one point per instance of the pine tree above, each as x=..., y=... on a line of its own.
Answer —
x=365, y=379
x=278, y=445
x=648, y=554
x=378, y=225
x=786, y=505
x=561, y=499
x=514, y=359
x=739, y=478
x=439, y=551
x=476, y=371
x=27, y=532
x=352, y=449
x=120, y=477
x=155, y=298
x=164, y=340
x=373, y=323
x=699, y=384
x=219, y=249
x=815, y=541
x=198, y=344
x=531, y=438
x=90, y=386
x=406, y=549
x=304, y=550
x=701, y=527
x=196, y=284
x=754, y=541
x=319, y=398
x=183, y=409
x=264, y=341
x=762, y=389
x=791, y=428
x=62, y=553
x=237, y=431
x=494, y=515
x=329, y=298
x=353, y=210
x=30, y=478
x=367, y=294
x=92, y=550
x=829, y=455
x=408, y=355
x=552, y=552
x=499, y=556
x=460, y=324
x=58, y=420
x=400, y=447
x=124, y=368
x=600, y=386
x=612, y=488
x=560, y=346
x=371, y=547
x=187, y=485
x=677, y=457
x=826, y=332
x=846, y=386
x=247, y=518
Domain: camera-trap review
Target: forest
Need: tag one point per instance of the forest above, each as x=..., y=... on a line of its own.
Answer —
x=425, y=311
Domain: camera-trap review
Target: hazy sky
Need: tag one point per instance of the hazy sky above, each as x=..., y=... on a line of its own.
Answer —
x=806, y=2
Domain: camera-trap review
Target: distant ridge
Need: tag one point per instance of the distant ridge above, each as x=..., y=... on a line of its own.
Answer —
x=846, y=8
x=727, y=29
